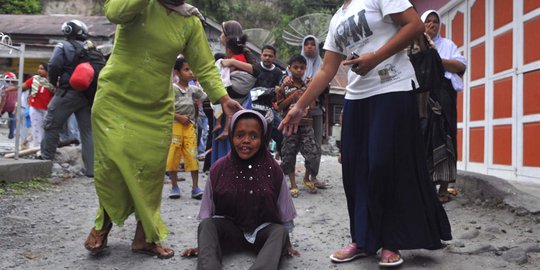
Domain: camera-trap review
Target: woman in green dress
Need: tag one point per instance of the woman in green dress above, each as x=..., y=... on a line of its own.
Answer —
x=133, y=113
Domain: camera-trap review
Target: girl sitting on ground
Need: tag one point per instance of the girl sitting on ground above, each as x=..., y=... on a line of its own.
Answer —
x=246, y=202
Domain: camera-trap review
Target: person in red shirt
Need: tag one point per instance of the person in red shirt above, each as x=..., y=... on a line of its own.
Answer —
x=41, y=93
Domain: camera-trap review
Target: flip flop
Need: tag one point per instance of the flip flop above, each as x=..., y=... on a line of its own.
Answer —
x=102, y=234
x=352, y=251
x=294, y=192
x=310, y=186
x=387, y=256
x=152, y=250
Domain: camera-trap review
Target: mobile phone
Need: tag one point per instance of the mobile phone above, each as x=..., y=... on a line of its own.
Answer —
x=354, y=56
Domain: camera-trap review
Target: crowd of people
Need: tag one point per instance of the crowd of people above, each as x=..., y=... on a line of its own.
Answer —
x=180, y=105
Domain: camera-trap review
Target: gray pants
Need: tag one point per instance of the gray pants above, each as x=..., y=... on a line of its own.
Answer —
x=317, y=116
x=302, y=141
x=60, y=108
x=271, y=243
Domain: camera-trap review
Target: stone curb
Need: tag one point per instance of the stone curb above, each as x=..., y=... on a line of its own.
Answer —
x=495, y=190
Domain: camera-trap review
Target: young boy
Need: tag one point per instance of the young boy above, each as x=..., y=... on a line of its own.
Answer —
x=287, y=95
x=184, y=137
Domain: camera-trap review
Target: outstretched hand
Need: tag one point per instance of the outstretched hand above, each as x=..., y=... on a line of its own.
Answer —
x=289, y=125
x=291, y=252
x=230, y=106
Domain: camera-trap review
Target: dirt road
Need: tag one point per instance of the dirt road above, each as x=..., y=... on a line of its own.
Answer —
x=46, y=230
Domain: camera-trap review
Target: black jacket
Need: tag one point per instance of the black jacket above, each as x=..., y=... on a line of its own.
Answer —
x=62, y=64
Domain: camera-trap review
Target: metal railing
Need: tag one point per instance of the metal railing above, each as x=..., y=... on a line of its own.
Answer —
x=6, y=43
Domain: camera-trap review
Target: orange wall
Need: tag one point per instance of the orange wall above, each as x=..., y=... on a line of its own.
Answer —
x=457, y=29
x=460, y=107
x=460, y=144
x=502, y=145
x=531, y=34
x=504, y=10
x=476, y=147
x=502, y=52
x=531, y=92
x=530, y=5
x=478, y=61
x=502, y=98
x=531, y=142
x=478, y=19
x=477, y=110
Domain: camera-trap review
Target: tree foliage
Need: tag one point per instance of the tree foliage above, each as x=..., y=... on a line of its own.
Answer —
x=273, y=15
x=20, y=6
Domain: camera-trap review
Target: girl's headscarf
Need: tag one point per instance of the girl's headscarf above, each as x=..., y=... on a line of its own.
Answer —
x=263, y=152
x=313, y=62
x=247, y=191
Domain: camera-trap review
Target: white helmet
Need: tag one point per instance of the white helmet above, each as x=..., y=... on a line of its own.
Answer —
x=75, y=29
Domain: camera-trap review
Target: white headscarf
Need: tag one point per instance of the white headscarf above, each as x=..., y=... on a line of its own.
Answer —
x=313, y=62
x=447, y=50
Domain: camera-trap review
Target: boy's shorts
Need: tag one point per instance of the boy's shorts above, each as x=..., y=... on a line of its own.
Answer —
x=183, y=146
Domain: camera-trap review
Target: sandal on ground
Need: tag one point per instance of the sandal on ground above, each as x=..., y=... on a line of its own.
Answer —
x=294, y=192
x=386, y=256
x=444, y=198
x=310, y=186
x=96, y=237
x=321, y=184
x=155, y=250
x=347, y=254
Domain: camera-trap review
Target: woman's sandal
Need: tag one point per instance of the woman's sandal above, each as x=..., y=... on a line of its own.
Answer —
x=310, y=186
x=444, y=198
x=155, y=250
x=347, y=254
x=386, y=255
x=294, y=192
x=95, y=237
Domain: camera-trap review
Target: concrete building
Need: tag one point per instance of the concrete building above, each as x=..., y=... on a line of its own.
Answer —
x=40, y=33
x=499, y=110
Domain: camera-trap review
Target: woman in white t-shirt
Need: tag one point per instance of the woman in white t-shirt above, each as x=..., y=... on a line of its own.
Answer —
x=391, y=201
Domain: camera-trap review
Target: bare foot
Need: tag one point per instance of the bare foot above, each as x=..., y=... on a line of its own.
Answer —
x=153, y=249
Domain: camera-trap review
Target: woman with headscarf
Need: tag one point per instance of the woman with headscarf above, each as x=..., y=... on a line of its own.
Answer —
x=133, y=112
x=310, y=50
x=442, y=128
x=238, y=70
x=246, y=202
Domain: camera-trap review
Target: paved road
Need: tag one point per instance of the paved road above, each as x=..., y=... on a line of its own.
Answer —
x=46, y=230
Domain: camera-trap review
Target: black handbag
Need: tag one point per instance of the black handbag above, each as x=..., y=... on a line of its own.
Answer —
x=428, y=67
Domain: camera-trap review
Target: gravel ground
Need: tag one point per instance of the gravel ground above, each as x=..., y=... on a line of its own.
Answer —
x=46, y=230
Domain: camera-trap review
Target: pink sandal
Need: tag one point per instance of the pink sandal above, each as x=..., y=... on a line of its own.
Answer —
x=347, y=254
x=386, y=254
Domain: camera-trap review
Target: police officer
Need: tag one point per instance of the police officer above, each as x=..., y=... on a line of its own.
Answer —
x=67, y=101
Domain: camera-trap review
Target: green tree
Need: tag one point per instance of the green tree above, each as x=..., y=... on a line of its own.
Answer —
x=20, y=7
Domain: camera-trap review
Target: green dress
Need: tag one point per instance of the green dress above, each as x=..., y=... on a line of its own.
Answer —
x=133, y=110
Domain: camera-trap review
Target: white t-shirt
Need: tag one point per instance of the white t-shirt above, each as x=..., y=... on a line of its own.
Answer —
x=364, y=27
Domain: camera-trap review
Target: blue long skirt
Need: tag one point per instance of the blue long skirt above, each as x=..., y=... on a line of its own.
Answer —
x=391, y=201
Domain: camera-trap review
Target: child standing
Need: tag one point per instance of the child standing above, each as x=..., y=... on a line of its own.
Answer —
x=184, y=138
x=41, y=92
x=287, y=95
